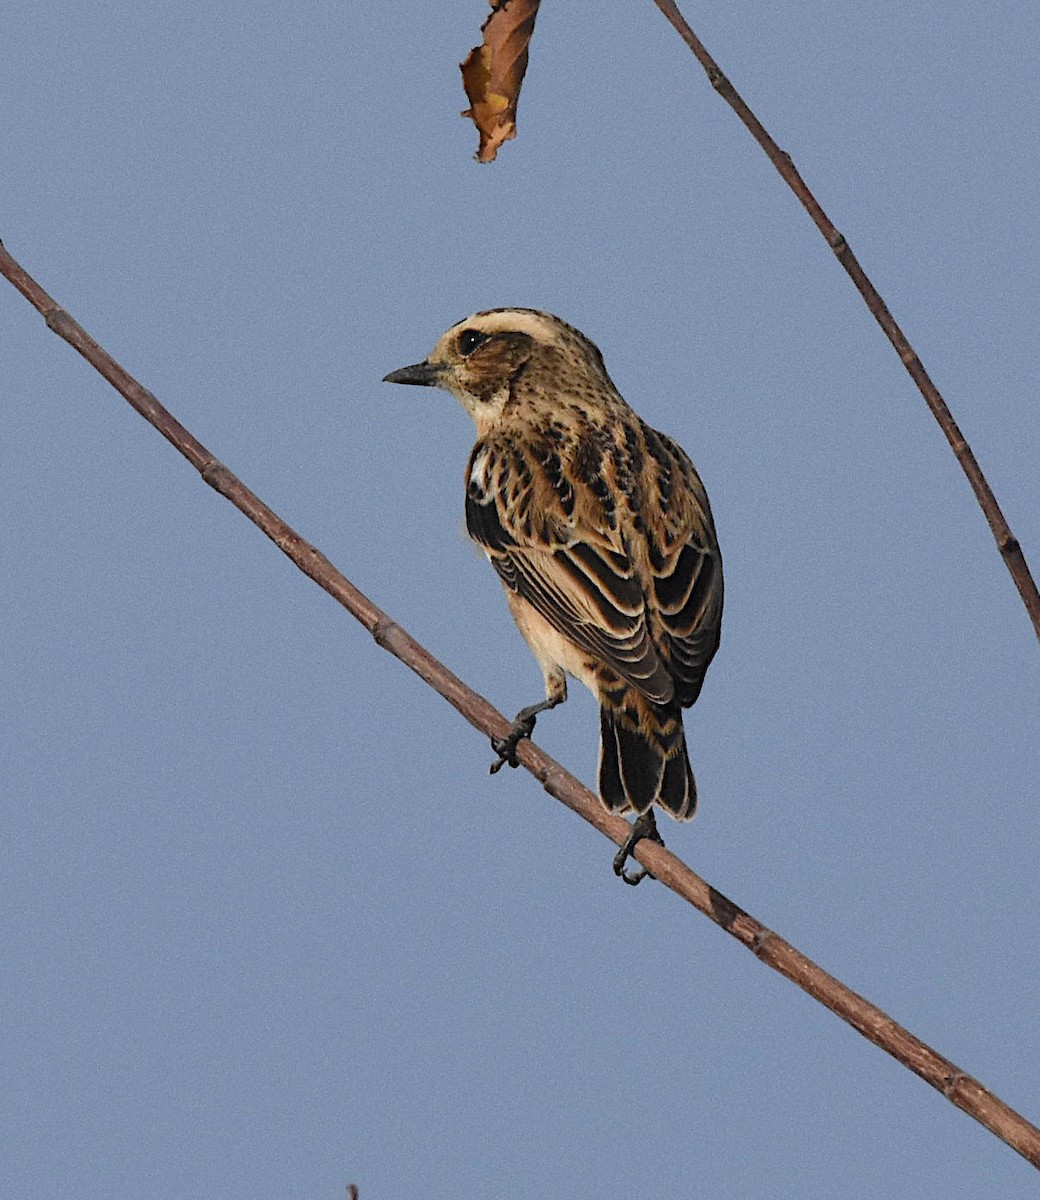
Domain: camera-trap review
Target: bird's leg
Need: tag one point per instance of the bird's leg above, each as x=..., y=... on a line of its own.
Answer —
x=644, y=826
x=523, y=724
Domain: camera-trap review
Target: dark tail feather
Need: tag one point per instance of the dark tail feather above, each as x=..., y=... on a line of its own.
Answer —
x=638, y=769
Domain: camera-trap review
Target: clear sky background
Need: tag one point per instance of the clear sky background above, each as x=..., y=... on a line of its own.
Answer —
x=268, y=925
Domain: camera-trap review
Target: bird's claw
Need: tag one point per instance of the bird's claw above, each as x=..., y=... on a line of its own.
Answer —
x=505, y=747
x=643, y=827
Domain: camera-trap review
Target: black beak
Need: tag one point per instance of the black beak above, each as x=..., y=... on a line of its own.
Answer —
x=424, y=374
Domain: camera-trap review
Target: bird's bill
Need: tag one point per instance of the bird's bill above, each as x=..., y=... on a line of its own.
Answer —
x=424, y=374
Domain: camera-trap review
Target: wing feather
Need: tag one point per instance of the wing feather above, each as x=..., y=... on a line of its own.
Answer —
x=687, y=573
x=580, y=578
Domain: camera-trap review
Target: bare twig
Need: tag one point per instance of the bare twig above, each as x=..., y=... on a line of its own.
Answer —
x=962, y=1090
x=1007, y=543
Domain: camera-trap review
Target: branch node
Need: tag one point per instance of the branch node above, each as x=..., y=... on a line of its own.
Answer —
x=57, y=319
x=760, y=941
x=952, y=1081
x=552, y=779
x=385, y=631
x=837, y=242
x=212, y=472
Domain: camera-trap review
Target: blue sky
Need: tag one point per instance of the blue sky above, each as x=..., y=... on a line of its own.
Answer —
x=269, y=927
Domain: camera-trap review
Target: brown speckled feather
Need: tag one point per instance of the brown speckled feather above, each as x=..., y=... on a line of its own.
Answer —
x=639, y=590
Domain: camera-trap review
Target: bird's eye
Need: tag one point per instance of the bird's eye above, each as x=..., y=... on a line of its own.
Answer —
x=470, y=339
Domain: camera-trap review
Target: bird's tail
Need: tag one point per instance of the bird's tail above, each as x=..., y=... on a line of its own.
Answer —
x=643, y=760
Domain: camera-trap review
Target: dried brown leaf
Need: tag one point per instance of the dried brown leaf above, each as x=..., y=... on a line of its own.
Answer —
x=494, y=71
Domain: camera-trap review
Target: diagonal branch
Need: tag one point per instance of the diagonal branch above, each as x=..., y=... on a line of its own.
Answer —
x=1007, y=543
x=960, y=1089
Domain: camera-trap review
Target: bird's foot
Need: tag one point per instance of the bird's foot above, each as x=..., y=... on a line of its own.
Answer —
x=644, y=826
x=505, y=747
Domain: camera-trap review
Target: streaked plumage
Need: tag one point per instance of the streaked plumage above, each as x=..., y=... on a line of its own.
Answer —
x=601, y=533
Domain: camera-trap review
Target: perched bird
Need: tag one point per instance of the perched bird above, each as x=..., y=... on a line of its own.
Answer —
x=601, y=533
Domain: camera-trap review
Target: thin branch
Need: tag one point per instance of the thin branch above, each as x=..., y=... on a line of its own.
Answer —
x=960, y=1089
x=1007, y=543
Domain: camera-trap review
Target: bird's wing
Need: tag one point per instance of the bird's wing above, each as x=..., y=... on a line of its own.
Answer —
x=575, y=573
x=686, y=568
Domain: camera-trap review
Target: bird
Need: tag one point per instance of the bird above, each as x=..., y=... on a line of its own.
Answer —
x=601, y=533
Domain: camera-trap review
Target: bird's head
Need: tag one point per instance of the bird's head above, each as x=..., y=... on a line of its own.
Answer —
x=507, y=357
